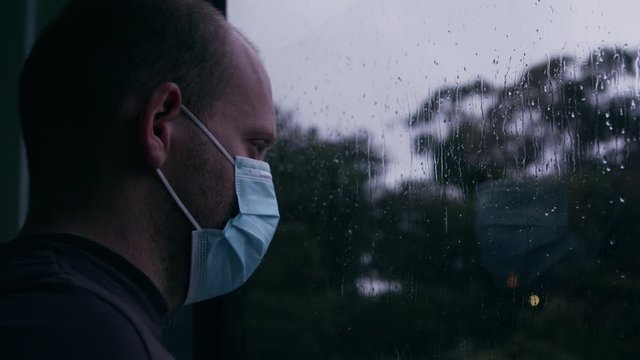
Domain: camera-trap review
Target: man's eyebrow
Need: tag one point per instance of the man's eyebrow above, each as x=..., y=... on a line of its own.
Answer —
x=261, y=132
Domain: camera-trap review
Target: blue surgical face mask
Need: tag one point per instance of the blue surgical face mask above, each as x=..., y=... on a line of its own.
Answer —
x=222, y=260
x=523, y=231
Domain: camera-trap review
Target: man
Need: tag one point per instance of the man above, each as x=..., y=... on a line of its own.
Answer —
x=145, y=123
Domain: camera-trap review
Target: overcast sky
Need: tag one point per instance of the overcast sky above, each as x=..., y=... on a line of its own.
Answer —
x=346, y=65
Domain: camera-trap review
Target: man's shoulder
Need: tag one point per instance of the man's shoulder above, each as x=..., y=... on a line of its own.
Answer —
x=69, y=323
x=47, y=311
x=34, y=267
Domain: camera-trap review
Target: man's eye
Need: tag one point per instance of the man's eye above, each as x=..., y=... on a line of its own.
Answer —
x=260, y=145
x=258, y=148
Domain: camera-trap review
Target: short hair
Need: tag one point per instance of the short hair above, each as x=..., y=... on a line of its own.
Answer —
x=98, y=53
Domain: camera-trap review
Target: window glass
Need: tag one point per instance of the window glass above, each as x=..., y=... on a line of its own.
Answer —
x=456, y=180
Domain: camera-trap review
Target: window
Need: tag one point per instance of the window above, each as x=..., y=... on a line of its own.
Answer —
x=456, y=180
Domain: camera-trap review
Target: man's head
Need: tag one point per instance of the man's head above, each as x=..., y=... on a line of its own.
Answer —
x=100, y=100
x=98, y=60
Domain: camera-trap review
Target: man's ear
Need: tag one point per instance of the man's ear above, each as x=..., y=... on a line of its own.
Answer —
x=156, y=122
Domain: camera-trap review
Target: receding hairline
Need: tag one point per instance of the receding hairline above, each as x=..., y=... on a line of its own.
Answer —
x=245, y=38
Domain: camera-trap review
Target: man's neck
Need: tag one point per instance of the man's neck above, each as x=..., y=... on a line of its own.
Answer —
x=144, y=242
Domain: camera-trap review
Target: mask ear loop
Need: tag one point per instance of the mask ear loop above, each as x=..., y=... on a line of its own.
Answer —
x=177, y=200
x=206, y=131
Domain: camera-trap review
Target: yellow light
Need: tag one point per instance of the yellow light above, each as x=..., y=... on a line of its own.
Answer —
x=534, y=300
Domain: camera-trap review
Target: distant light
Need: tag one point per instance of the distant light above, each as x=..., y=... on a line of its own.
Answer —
x=512, y=280
x=534, y=300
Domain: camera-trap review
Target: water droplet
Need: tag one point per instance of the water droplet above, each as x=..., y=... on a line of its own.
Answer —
x=621, y=199
x=612, y=242
x=607, y=114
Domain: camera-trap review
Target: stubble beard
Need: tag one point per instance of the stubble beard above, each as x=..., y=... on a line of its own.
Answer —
x=210, y=196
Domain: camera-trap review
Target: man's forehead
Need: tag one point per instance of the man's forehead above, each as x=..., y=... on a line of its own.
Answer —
x=247, y=54
x=249, y=86
x=251, y=122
